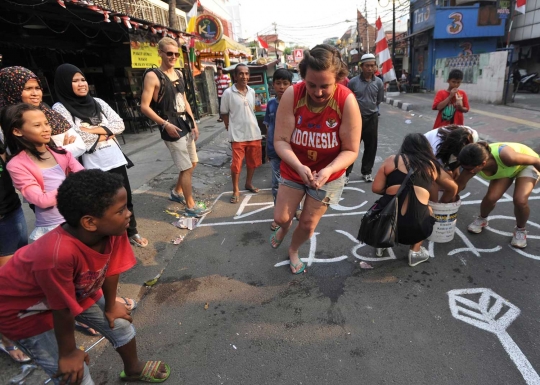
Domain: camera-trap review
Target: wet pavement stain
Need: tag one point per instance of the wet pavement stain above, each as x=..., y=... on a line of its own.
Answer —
x=252, y=236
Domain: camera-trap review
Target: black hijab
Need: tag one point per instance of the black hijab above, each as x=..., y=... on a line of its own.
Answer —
x=83, y=107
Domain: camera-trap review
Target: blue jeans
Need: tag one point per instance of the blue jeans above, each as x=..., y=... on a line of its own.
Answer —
x=13, y=232
x=44, y=350
x=276, y=176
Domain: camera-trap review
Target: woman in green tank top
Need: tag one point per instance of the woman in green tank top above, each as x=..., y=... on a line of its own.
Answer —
x=501, y=164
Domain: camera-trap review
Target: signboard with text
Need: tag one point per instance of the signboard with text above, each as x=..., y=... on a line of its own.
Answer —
x=144, y=54
x=298, y=55
x=208, y=29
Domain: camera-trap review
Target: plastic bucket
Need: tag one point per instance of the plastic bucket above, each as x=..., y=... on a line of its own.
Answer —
x=445, y=221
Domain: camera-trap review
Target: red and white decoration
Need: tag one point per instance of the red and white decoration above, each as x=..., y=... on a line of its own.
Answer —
x=382, y=51
x=520, y=6
x=262, y=43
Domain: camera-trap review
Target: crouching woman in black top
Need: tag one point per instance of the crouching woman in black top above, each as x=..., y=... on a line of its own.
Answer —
x=415, y=220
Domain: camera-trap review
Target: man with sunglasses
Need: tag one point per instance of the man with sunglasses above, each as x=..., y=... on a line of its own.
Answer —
x=164, y=101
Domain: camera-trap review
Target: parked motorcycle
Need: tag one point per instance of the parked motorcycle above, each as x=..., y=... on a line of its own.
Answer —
x=530, y=82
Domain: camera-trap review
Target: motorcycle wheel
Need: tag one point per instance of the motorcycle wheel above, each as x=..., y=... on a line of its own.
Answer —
x=535, y=88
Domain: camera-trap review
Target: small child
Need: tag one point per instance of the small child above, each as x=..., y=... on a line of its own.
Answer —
x=72, y=273
x=37, y=167
x=282, y=80
x=451, y=103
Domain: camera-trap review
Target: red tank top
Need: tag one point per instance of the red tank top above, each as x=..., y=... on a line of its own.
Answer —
x=315, y=139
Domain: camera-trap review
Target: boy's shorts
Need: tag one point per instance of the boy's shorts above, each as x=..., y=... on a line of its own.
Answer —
x=43, y=348
x=183, y=152
x=329, y=194
x=251, y=150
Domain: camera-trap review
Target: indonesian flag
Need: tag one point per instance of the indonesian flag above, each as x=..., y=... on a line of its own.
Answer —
x=262, y=43
x=520, y=6
x=382, y=51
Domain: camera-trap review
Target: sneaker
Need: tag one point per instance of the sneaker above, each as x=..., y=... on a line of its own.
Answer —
x=519, y=239
x=379, y=251
x=368, y=178
x=175, y=197
x=346, y=180
x=197, y=211
x=417, y=257
x=478, y=224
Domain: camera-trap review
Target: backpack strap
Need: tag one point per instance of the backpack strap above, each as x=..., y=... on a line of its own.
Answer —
x=161, y=77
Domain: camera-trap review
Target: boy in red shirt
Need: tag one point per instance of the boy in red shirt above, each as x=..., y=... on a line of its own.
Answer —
x=451, y=103
x=72, y=273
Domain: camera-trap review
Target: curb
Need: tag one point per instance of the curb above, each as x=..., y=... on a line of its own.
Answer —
x=398, y=103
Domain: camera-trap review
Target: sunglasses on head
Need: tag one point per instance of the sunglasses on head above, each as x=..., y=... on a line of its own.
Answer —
x=170, y=54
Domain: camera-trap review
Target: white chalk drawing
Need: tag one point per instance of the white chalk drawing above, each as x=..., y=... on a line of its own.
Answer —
x=339, y=207
x=492, y=313
x=245, y=203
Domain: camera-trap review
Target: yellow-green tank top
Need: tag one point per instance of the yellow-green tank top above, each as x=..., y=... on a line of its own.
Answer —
x=504, y=171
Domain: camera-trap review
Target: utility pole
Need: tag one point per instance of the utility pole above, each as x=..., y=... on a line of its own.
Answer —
x=393, y=31
x=367, y=29
x=358, y=40
x=275, y=41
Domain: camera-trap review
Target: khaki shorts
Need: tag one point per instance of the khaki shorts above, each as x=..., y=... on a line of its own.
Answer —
x=529, y=172
x=183, y=152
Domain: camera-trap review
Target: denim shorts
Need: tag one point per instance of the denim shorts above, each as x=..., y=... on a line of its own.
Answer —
x=13, y=232
x=44, y=350
x=329, y=194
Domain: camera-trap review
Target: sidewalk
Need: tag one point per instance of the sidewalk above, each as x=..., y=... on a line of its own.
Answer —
x=493, y=122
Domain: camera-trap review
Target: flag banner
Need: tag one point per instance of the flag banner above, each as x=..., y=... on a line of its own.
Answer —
x=383, y=53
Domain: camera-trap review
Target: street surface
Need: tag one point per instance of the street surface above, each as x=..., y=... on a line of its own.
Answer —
x=227, y=310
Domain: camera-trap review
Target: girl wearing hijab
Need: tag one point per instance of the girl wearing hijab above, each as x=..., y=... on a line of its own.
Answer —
x=20, y=85
x=97, y=123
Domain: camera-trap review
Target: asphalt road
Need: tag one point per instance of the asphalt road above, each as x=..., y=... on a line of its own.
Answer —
x=227, y=310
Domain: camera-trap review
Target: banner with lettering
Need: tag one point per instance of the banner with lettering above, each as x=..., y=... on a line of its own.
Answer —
x=144, y=53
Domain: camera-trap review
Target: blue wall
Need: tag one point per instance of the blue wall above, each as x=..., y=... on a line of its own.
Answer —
x=463, y=47
x=462, y=22
x=422, y=15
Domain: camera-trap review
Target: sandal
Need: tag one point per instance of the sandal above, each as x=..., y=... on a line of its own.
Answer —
x=86, y=329
x=9, y=349
x=298, y=270
x=130, y=303
x=254, y=190
x=274, y=242
x=235, y=198
x=274, y=226
x=149, y=372
x=137, y=240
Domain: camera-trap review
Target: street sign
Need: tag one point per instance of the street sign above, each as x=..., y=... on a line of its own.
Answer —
x=290, y=58
x=298, y=55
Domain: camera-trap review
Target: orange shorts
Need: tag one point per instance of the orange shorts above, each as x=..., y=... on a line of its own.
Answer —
x=251, y=150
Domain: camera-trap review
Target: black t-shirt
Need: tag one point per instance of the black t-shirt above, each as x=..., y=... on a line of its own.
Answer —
x=9, y=200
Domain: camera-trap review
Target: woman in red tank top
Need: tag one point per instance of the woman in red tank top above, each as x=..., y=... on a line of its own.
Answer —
x=317, y=137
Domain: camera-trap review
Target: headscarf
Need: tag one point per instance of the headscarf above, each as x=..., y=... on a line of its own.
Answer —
x=12, y=82
x=83, y=107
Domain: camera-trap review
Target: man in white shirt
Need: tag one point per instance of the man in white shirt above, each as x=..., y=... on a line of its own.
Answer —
x=238, y=113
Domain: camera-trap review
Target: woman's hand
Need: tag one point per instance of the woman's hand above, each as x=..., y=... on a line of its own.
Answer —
x=307, y=177
x=321, y=177
x=117, y=310
x=68, y=139
x=71, y=367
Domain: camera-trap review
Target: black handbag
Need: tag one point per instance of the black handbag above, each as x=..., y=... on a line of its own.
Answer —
x=379, y=224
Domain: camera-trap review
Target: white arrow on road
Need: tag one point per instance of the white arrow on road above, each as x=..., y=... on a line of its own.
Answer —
x=493, y=314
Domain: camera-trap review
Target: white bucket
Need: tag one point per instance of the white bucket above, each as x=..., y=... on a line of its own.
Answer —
x=445, y=221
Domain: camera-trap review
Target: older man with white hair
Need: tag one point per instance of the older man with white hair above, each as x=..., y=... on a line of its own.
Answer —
x=369, y=92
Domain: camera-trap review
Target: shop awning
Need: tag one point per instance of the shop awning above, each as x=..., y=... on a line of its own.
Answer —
x=225, y=45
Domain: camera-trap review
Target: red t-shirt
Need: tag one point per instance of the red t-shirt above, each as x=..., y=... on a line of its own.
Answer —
x=56, y=272
x=315, y=139
x=458, y=115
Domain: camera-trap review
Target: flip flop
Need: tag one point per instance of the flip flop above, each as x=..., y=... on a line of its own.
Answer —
x=137, y=240
x=274, y=240
x=274, y=226
x=235, y=198
x=12, y=348
x=130, y=305
x=298, y=271
x=149, y=373
x=87, y=329
x=254, y=190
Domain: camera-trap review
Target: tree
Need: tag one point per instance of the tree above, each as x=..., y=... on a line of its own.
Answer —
x=287, y=51
x=173, y=20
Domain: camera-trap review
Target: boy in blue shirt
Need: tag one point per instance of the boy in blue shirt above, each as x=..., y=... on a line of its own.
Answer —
x=282, y=80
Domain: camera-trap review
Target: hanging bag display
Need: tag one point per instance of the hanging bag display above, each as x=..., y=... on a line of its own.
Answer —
x=379, y=224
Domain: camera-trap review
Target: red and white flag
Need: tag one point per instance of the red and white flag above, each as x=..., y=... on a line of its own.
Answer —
x=520, y=6
x=382, y=51
x=262, y=43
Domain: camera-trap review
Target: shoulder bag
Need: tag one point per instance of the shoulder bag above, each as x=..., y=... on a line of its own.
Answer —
x=379, y=224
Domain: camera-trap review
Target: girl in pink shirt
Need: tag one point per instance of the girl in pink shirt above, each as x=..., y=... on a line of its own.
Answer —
x=37, y=166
